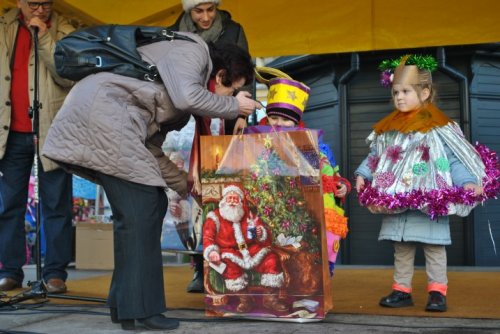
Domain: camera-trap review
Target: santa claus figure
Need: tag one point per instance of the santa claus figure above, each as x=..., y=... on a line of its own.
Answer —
x=238, y=242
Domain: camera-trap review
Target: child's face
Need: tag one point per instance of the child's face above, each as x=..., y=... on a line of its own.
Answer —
x=276, y=120
x=406, y=98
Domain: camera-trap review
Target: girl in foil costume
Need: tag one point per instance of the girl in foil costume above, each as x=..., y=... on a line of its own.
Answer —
x=420, y=170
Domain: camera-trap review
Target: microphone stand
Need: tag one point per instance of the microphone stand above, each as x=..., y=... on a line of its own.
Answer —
x=34, y=115
x=38, y=287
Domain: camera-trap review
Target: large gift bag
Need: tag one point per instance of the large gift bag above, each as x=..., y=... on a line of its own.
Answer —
x=263, y=234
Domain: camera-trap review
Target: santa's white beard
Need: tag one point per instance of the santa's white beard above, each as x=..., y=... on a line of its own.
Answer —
x=231, y=213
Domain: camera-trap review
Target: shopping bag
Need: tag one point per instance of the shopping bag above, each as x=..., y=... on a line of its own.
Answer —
x=181, y=230
x=265, y=254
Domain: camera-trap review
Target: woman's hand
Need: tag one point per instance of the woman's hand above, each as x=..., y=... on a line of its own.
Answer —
x=239, y=126
x=175, y=209
x=247, y=105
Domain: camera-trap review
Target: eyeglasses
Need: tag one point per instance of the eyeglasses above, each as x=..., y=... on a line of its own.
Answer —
x=33, y=5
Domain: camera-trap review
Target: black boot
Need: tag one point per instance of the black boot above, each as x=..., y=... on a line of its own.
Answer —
x=397, y=299
x=436, y=302
x=159, y=321
x=127, y=324
x=196, y=285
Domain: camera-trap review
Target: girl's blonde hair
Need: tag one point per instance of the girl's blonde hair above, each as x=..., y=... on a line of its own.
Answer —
x=425, y=81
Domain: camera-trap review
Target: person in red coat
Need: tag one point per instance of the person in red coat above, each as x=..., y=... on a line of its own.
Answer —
x=234, y=242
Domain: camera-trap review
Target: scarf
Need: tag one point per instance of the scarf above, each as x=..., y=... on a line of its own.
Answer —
x=210, y=35
x=422, y=120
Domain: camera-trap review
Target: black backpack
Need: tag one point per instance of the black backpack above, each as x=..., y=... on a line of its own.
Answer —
x=109, y=48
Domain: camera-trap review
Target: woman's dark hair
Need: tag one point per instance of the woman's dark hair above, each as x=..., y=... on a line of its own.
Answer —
x=235, y=62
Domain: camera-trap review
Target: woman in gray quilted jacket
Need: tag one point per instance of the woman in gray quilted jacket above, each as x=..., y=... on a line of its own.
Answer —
x=111, y=129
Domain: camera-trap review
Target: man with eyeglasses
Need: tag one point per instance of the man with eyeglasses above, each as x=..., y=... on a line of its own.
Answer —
x=17, y=28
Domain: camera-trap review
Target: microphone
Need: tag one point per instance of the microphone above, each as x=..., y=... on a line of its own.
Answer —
x=35, y=29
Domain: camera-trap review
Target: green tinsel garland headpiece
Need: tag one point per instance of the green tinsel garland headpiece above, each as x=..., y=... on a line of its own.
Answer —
x=422, y=62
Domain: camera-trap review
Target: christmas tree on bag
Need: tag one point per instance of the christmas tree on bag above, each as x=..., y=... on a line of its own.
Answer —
x=278, y=200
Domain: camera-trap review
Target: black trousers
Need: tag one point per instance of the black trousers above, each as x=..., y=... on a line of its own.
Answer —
x=137, y=284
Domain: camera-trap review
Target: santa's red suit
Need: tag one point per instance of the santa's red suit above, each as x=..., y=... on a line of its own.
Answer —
x=240, y=253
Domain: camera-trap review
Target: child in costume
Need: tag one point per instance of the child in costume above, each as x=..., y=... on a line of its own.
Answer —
x=420, y=170
x=286, y=102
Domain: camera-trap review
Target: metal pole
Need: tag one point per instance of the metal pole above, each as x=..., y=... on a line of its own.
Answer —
x=34, y=114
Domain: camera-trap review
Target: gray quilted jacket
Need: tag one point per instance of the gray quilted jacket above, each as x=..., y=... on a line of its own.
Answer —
x=116, y=125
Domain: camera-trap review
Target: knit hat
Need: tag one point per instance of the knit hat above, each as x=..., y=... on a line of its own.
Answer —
x=187, y=5
x=287, y=98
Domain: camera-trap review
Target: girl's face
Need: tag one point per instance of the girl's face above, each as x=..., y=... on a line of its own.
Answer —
x=276, y=120
x=406, y=98
x=203, y=15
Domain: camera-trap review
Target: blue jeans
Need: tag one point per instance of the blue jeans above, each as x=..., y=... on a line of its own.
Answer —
x=55, y=189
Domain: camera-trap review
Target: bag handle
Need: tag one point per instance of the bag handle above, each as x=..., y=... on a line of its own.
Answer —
x=259, y=70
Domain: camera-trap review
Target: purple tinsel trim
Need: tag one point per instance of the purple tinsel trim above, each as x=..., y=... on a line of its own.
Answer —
x=386, y=78
x=437, y=200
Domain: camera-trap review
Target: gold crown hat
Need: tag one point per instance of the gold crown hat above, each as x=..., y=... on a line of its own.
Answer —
x=407, y=70
x=286, y=97
x=406, y=74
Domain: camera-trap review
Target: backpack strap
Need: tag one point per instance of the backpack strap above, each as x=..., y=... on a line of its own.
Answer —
x=147, y=36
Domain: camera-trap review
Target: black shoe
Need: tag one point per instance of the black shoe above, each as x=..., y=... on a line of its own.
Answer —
x=113, y=312
x=436, y=302
x=159, y=321
x=127, y=324
x=397, y=299
x=196, y=285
